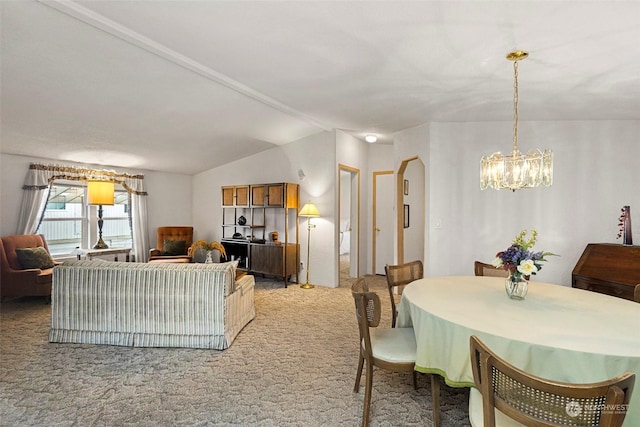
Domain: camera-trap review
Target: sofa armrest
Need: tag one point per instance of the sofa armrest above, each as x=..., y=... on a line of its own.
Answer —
x=30, y=272
x=243, y=283
x=26, y=273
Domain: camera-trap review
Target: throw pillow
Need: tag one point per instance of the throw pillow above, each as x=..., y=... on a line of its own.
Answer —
x=34, y=258
x=175, y=247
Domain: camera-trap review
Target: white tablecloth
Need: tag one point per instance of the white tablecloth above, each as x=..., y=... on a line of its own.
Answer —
x=557, y=332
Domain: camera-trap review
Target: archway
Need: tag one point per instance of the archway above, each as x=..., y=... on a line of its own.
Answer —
x=411, y=210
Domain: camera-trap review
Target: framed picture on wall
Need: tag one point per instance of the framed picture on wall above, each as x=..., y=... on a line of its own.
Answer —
x=406, y=187
x=406, y=216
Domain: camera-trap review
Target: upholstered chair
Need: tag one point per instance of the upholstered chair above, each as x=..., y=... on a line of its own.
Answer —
x=27, y=266
x=173, y=244
x=391, y=349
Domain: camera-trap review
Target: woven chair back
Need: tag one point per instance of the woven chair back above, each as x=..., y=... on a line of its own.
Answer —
x=536, y=401
x=484, y=269
x=398, y=276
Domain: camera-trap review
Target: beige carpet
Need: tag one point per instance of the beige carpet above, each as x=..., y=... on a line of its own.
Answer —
x=293, y=365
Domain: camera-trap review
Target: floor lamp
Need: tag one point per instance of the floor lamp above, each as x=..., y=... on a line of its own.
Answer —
x=100, y=193
x=309, y=210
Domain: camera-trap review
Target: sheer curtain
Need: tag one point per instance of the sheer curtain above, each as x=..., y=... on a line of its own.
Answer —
x=36, y=192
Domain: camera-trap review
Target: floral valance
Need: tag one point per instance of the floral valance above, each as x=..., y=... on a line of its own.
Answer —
x=41, y=176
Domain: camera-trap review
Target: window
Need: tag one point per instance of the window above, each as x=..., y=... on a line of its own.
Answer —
x=69, y=223
x=116, y=230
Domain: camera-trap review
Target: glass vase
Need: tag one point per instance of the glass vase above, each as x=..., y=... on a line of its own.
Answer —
x=516, y=286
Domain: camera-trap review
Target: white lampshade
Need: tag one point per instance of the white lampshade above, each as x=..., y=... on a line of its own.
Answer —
x=100, y=192
x=309, y=210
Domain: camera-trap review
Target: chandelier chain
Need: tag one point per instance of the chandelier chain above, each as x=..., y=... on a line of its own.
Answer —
x=515, y=106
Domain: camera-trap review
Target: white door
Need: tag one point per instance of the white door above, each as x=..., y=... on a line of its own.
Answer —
x=383, y=228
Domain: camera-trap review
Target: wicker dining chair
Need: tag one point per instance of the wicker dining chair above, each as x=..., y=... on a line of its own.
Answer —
x=397, y=277
x=484, y=269
x=392, y=349
x=534, y=401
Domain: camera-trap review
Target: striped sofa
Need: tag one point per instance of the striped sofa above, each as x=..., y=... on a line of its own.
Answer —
x=149, y=305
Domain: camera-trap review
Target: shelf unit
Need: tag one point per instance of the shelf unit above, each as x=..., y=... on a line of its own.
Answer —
x=263, y=206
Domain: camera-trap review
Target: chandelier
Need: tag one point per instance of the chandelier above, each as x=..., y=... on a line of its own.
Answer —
x=517, y=170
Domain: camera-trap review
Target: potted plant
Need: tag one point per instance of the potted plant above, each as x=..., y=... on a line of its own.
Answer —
x=209, y=247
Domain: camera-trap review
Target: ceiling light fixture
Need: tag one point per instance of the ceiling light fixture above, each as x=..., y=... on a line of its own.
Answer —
x=371, y=139
x=517, y=170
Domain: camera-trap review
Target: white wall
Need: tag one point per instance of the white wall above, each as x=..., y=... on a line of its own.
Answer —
x=595, y=173
x=169, y=200
x=315, y=156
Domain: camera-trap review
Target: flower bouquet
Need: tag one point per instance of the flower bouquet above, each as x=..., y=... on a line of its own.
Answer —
x=519, y=259
x=521, y=262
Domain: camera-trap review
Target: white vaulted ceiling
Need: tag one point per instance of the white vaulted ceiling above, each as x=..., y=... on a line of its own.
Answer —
x=185, y=86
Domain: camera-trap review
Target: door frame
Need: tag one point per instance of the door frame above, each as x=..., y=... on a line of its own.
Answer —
x=354, y=213
x=374, y=226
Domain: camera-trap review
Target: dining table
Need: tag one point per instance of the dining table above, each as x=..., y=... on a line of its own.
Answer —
x=557, y=332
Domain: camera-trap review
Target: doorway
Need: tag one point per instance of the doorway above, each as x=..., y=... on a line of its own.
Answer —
x=383, y=220
x=349, y=224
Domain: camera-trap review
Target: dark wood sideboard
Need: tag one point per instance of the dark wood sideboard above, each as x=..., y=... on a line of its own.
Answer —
x=609, y=269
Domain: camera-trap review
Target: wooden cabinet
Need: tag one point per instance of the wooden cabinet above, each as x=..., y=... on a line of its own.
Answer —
x=275, y=195
x=281, y=195
x=249, y=211
x=237, y=195
x=258, y=195
x=277, y=260
x=237, y=251
x=609, y=269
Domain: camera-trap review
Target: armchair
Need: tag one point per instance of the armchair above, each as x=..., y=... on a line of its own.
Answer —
x=17, y=281
x=173, y=244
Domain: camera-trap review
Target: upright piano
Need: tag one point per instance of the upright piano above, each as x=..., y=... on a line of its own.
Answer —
x=609, y=269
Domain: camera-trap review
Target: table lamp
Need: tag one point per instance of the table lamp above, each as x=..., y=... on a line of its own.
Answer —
x=100, y=193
